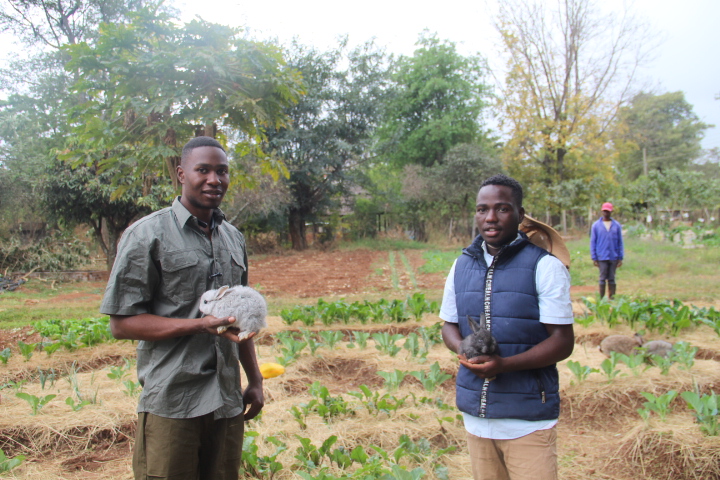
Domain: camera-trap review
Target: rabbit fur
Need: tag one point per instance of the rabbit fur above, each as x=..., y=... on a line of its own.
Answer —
x=658, y=347
x=480, y=342
x=621, y=344
x=245, y=304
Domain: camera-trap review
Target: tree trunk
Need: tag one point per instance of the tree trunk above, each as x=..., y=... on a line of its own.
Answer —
x=296, y=224
x=113, y=239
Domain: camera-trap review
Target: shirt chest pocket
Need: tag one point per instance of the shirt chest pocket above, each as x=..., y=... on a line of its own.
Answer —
x=237, y=265
x=180, y=276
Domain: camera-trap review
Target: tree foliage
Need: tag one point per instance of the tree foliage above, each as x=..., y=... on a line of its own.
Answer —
x=151, y=85
x=332, y=127
x=569, y=69
x=664, y=129
x=438, y=101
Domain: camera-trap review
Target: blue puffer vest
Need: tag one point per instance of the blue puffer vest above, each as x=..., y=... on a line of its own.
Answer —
x=505, y=291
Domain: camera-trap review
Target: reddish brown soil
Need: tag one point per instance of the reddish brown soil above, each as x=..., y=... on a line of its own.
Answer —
x=313, y=274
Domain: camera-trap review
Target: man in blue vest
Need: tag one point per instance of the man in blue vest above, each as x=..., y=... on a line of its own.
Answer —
x=510, y=400
x=606, y=248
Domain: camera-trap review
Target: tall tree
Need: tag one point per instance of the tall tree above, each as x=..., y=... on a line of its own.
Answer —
x=332, y=127
x=439, y=97
x=659, y=132
x=150, y=85
x=570, y=68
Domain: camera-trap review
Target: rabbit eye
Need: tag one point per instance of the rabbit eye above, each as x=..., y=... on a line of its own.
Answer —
x=204, y=301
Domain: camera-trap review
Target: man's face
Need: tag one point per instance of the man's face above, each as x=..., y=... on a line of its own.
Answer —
x=606, y=214
x=204, y=176
x=497, y=216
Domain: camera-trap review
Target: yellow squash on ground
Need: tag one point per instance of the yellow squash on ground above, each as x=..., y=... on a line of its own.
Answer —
x=270, y=370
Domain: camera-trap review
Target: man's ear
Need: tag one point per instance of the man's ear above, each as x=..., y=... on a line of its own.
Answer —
x=521, y=211
x=180, y=174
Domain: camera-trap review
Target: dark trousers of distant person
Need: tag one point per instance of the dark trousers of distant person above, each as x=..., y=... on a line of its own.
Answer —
x=607, y=273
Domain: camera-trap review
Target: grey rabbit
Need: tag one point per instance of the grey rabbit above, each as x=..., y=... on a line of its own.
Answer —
x=244, y=303
x=480, y=342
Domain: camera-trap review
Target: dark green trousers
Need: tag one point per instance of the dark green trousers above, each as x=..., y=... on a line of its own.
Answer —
x=198, y=448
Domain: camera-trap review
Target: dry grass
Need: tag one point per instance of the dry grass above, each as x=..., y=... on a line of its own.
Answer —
x=600, y=436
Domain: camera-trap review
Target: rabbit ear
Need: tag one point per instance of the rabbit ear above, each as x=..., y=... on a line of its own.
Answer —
x=473, y=324
x=221, y=292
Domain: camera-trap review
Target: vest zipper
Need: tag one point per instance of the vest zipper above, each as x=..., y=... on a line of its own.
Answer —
x=540, y=385
x=488, y=324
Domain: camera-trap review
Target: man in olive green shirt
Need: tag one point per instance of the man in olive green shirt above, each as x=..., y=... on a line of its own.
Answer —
x=191, y=409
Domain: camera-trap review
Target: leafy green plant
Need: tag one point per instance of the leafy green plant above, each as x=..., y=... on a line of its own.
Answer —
x=417, y=305
x=431, y=379
x=36, y=403
x=412, y=345
x=51, y=347
x=311, y=341
x=660, y=404
x=118, y=372
x=254, y=465
x=705, y=410
x=396, y=311
x=27, y=349
x=331, y=337
x=327, y=406
x=663, y=363
x=5, y=355
x=76, y=406
x=386, y=342
x=360, y=338
x=311, y=456
x=608, y=366
x=634, y=362
x=580, y=372
x=393, y=379
x=7, y=464
x=132, y=389
x=375, y=403
x=683, y=354
x=290, y=348
x=45, y=375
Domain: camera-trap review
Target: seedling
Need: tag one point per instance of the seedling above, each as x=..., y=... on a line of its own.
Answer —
x=705, y=411
x=7, y=464
x=36, y=403
x=581, y=372
x=431, y=379
x=27, y=349
x=393, y=379
x=385, y=343
x=5, y=356
x=608, y=366
x=660, y=405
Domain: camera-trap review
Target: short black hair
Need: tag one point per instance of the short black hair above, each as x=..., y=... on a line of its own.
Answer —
x=505, y=181
x=199, y=142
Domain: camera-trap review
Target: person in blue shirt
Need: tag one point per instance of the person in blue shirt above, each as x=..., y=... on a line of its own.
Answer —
x=606, y=248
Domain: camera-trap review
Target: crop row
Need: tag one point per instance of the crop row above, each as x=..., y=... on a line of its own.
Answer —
x=382, y=311
x=653, y=316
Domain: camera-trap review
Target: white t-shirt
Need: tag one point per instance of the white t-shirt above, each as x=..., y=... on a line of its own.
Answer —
x=552, y=281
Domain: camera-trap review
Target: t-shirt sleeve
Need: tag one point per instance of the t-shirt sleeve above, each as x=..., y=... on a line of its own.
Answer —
x=448, y=309
x=133, y=278
x=553, y=285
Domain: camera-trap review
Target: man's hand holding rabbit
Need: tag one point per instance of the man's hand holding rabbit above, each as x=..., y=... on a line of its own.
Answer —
x=483, y=366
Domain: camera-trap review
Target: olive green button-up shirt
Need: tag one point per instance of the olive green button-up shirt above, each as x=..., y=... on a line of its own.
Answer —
x=164, y=264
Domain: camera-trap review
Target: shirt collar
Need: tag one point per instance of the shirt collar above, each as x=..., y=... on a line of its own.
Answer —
x=484, y=246
x=183, y=214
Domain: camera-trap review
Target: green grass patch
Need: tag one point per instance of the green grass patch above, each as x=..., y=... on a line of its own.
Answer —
x=439, y=261
x=654, y=268
x=37, y=300
x=409, y=269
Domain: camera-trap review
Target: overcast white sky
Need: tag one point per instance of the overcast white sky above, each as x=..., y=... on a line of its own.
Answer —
x=687, y=60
